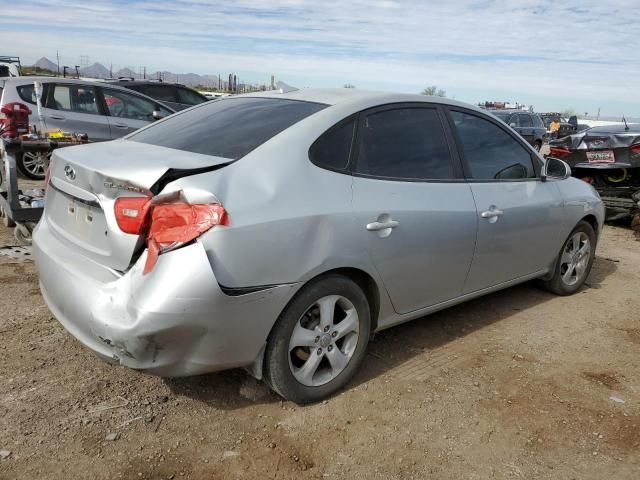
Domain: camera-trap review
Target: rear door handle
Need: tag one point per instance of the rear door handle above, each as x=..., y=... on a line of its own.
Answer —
x=57, y=117
x=492, y=214
x=120, y=125
x=377, y=226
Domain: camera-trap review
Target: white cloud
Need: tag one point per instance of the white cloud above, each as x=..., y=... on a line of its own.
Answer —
x=582, y=50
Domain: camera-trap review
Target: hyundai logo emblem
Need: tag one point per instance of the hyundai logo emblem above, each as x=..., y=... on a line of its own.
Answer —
x=69, y=172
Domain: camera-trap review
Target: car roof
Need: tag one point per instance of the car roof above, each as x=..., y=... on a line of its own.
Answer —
x=356, y=98
x=125, y=81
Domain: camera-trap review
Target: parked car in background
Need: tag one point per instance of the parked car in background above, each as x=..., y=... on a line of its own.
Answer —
x=103, y=112
x=608, y=158
x=528, y=125
x=174, y=95
x=277, y=231
x=567, y=127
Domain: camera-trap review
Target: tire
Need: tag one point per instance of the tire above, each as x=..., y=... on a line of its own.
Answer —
x=325, y=352
x=572, y=267
x=33, y=165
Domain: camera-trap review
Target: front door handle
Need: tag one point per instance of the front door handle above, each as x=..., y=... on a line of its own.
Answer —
x=377, y=226
x=57, y=117
x=120, y=125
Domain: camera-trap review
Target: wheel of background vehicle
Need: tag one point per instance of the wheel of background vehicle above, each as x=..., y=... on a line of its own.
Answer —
x=537, y=145
x=319, y=340
x=22, y=233
x=32, y=164
x=574, y=261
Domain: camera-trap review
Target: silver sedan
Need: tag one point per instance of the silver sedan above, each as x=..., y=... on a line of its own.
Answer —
x=278, y=231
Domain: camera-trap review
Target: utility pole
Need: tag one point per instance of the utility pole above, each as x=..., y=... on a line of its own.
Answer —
x=58, y=61
x=144, y=73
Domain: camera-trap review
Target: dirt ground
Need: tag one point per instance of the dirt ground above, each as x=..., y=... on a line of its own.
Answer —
x=519, y=384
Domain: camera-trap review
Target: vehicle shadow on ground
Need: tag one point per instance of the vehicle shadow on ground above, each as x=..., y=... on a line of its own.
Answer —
x=396, y=346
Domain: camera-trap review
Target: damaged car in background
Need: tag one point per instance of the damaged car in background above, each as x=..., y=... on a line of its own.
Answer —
x=276, y=231
x=608, y=158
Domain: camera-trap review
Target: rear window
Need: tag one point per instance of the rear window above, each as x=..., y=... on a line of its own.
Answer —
x=228, y=128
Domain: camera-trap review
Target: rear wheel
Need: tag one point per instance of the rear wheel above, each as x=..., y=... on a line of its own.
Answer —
x=319, y=341
x=32, y=164
x=574, y=261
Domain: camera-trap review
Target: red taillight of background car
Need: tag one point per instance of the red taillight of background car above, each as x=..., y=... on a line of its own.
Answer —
x=166, y=225
x=559, y=152
x=636, y=148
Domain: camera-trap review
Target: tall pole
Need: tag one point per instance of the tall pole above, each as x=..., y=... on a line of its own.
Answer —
x=58, y=61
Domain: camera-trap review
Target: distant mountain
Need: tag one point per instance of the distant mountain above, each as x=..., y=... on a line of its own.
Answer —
x=125, y=72
x=46, y=64
x=97, y=70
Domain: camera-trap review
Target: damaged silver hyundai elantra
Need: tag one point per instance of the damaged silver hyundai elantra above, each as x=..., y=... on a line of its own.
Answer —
x=278, y=231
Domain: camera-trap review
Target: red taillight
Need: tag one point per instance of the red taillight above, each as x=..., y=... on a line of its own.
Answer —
x=636, y=148
x=131, y=213
x=559, y=152
x=166, y=225
x=175, y=224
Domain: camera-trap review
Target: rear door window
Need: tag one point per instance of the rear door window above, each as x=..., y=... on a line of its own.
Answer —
x=490, y=152
x=404, y=144
x=228, y=128
x=74, y=98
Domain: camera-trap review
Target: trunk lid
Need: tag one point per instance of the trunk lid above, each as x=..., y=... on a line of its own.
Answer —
x=86, y=180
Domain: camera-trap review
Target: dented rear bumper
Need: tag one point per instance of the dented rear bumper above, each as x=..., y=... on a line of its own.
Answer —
x=174, y=321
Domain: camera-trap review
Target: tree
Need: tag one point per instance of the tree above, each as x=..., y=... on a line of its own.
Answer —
x=568, y=112
x=348, y=85
x=434, y=91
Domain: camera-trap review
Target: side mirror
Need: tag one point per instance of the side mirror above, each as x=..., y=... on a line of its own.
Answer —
x=157, y=115
x=556, y=169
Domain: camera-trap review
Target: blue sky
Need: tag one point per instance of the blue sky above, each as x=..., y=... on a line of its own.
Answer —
x=551, y=54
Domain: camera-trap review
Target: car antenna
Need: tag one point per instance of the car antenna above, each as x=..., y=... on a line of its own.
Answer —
x=626, y=127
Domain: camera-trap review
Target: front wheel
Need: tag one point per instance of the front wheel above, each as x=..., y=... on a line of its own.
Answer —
x=319, y=341
x=574, y=261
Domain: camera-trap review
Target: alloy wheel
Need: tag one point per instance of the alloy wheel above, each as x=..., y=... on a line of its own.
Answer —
x=323, y=340
x=575, y=259
x=34, y=163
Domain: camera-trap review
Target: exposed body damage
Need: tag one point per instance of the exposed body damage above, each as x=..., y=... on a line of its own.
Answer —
x=609, y=159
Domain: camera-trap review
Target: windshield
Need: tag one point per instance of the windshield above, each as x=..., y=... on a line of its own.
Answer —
x=228, y=128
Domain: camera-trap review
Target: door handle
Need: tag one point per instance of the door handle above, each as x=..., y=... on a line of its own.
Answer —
x=120, y=125
x=493, y=212
x=57, y=117
x=377, y=226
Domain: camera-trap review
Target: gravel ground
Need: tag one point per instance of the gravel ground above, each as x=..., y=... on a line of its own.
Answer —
x=519, y=384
